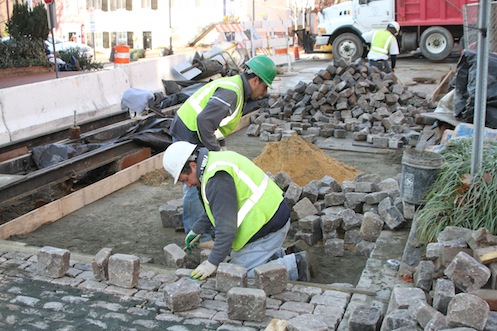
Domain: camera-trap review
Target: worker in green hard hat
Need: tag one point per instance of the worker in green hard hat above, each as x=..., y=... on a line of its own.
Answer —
x=211, y=114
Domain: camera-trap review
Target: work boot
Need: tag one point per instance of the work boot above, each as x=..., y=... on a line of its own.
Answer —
x=303, y=267
x=293, y=249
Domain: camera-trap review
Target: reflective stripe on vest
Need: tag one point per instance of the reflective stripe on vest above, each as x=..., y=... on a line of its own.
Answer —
x=258, y=196
x=189, y=111
x=381, y=41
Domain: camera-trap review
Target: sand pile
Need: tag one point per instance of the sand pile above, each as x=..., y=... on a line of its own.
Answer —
x=303, y=161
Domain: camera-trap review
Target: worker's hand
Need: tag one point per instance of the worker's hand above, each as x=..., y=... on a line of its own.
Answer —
x=191, y=241
x=204, y=270
x=224, y=148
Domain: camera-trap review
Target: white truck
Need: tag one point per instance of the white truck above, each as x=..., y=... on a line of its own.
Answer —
x=430, y=25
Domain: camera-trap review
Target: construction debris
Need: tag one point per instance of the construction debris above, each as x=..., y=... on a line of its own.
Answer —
x=454, y=288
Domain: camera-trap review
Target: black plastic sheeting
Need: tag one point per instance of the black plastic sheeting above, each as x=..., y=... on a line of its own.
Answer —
x=465, y=85
x=151, y=132
x=48, y=155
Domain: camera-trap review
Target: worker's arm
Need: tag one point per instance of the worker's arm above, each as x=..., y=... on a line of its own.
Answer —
x=394, y=51
x=393, y=59
x=368, y=37
x=221, y=104
x=221, y=193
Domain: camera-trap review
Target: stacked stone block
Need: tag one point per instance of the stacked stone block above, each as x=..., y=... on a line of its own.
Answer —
x=230, y=275
x=246, y=304
x=272, y=278
x=53, y=262
x=124, y=270
x=100, y=264
x=182, y=295
x=171, y=214
x=175, y=256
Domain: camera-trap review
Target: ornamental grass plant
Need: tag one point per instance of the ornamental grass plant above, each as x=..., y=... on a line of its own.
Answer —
x=457, y=199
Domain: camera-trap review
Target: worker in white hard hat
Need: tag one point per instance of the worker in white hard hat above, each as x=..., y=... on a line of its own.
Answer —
x=246, y=207
x=212, y=113
x=382, y=44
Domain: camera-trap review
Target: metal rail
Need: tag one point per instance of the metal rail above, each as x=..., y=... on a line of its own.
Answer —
x=60, y=172
x=63, y=134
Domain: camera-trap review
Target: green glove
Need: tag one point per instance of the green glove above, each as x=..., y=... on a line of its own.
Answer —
x=191, y=240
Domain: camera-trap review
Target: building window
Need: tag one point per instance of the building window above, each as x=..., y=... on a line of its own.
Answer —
x=95, y=39
x=121, y=4
x=146, y=4
x=102, y=5
x=106, y=40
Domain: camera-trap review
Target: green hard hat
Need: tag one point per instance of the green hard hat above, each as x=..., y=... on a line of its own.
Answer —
x=263, y=67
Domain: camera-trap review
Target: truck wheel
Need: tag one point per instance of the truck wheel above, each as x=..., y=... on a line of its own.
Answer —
x=436, y=43
x=347, y=46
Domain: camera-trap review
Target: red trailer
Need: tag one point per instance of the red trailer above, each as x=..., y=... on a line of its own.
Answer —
x=431, y=25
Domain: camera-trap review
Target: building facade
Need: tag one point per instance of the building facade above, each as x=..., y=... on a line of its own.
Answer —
x=152, y=24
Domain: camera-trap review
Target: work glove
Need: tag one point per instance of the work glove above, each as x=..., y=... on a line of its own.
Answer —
x=224, y=148
x=191, y=240
x=204, y=270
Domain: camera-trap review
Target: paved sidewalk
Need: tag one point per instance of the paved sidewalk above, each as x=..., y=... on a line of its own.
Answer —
x=16, y=80
x=79, y=302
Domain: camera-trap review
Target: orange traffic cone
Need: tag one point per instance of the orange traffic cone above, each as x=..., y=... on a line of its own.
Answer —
x=296, y=52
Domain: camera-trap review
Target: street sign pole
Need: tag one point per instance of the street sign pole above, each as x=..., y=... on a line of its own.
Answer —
x=52, y=24
x=92, y=29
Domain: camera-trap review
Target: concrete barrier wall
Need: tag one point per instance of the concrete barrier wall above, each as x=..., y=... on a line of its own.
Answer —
x=148, y=74
x=32, y=110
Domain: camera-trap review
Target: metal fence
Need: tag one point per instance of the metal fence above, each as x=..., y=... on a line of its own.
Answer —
x=470, y=14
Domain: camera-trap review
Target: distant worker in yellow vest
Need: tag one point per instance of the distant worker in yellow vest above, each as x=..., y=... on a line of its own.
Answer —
x=383, y=43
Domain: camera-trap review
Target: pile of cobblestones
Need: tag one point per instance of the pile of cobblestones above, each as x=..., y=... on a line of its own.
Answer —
x=344, y=97
x=451, y=288
x=351, y=215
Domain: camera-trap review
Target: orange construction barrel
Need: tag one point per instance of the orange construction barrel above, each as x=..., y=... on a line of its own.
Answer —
x=121, y=55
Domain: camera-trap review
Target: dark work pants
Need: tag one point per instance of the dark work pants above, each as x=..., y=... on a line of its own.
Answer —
x=383, y=65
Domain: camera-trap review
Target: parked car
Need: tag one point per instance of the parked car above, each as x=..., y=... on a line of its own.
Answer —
x=61, y=46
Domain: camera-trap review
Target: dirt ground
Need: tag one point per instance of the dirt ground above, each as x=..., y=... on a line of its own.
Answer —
x=128, y=220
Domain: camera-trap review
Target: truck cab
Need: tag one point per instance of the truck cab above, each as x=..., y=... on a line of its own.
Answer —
x=342, y=25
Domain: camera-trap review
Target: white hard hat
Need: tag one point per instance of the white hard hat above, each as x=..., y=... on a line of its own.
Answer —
x=176, y=156
x=395, y=26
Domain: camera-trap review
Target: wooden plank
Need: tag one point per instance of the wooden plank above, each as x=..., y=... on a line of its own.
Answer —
x=488, y=258
x=486, y=255
x=245, y=121
x=202, y=35
x=14, y=153
x=329, y=287
x=443, y=87
x=55, y=210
